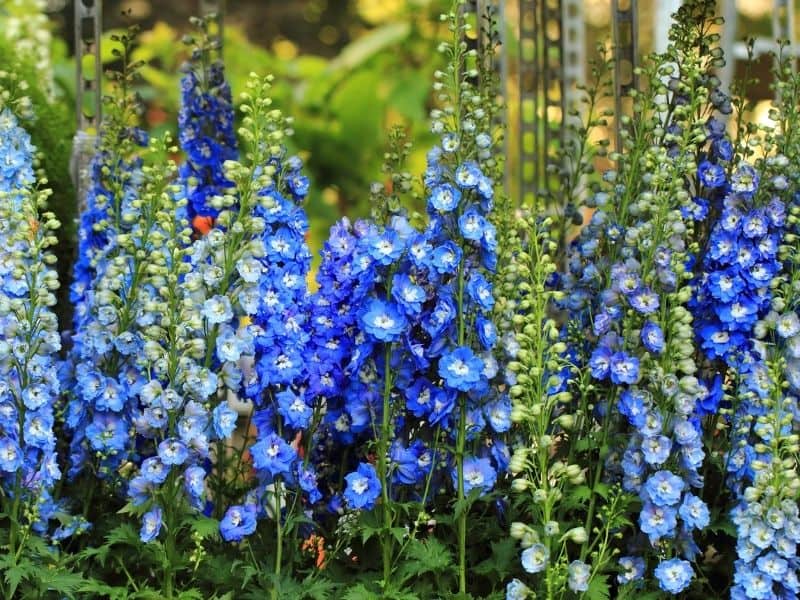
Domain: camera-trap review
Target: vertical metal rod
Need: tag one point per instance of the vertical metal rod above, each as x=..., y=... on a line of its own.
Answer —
x=624, y=25
x=88, y=32
x=528, y=101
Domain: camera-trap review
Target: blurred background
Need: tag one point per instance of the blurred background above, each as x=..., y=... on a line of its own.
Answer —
x=346, y=70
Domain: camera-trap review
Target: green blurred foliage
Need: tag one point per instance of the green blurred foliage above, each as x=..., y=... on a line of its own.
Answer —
x=51, y=131
x=343, y=107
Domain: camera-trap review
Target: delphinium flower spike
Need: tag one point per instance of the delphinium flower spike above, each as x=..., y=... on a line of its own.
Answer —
x=206, y=125
x=29, y=344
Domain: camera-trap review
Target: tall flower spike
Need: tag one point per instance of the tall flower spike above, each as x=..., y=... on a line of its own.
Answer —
x=29, y=340
x=206, y=129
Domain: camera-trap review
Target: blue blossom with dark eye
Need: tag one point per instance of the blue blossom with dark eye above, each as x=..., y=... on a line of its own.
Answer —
x=238, y=522
x=711, y=175
x=383, y=321
x=172, y=452
x=194, y=479
x=363, y=487
x=151, y=525
x=444, y=198
x=154, y=470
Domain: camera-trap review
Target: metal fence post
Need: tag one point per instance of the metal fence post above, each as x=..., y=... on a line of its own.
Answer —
x=88, y=91
x=625, y=32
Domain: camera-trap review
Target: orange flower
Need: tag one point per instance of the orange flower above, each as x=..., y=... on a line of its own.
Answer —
x=315, y=545
x=202, y=225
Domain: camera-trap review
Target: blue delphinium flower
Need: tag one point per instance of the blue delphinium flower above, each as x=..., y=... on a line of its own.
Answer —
x=363, y=487
x=207, y=136
x=238, y=522
x=674, y=575
x=29, y=338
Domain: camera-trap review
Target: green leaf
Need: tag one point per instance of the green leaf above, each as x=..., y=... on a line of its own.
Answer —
x=598, y=588
x=205, y=527
x=500, y=563
x=366, y=46
x=359, y=592
x=464, y=505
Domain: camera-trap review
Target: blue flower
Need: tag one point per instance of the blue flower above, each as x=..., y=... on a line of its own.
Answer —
x=293, y=409
x=151, y=525
x=461, y=369
x=644, y=301
x=10, y=455
x=579, y=574
x=480, y=291
x=446, y=258
x=653, y=337
x=468, y=175
x=664, y=488
x=408, y=294
x=535, y=558
x=363, y=487
x=383, y=321
x=657, y=521
x=217, y=310
x=711, y=175
x=444, y=198
x=478, y=474
x=172, y=451
x=224, y=419
x=632, y=569
x=238, y=522
x=273, y=454
x=694, y=512
x=472, y=225
x=623, y=368
x=600, y=362
x=674, y=575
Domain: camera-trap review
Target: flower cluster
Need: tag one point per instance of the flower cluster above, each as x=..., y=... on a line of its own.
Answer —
x=205, y=122
x=29, y=339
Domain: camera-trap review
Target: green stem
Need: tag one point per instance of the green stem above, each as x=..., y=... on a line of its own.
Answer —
x=387, y=549
x=278, y=540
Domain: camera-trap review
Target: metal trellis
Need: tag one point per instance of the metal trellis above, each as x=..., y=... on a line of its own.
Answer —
x=625, y=33
x=88, y=90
